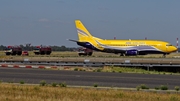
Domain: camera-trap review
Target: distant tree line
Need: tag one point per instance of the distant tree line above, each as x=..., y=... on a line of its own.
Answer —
x=2, y=47
x=54, y=48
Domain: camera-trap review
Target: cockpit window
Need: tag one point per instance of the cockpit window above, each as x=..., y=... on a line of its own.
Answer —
x=168, y=44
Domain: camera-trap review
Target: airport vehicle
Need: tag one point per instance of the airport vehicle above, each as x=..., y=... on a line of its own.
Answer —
x=25, y=53
x=42, y=50
x=13, y=50
x=84, y=51
x=122, y=47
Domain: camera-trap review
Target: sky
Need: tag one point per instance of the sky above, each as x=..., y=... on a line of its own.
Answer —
x=51, y=22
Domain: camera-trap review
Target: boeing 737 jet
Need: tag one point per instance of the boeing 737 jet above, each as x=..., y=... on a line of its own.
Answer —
x=122, y=47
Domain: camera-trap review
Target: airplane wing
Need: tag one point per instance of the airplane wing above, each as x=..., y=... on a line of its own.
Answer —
x=110, y=48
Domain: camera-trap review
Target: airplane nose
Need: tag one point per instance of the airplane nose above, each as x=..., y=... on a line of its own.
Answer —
x=175, y=49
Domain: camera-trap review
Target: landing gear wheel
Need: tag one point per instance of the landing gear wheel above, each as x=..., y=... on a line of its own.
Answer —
x=122, y=54
x=164, y=56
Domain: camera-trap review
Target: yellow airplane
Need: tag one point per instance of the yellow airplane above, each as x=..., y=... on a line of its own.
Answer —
x=122, y=47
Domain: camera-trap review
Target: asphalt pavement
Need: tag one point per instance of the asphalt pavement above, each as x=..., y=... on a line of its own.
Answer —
x=84, y=78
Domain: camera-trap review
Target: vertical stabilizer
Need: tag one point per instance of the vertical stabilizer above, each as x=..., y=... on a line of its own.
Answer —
x=83, y=33
x=85, y=36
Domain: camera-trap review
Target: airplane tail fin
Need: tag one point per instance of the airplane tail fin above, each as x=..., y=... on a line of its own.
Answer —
x=83, y=33
x=85, y=36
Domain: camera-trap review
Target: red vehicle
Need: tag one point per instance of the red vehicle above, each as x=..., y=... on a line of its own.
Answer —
x=42, y=50
x=84, y=51
x=25, y=53
x=13, y=50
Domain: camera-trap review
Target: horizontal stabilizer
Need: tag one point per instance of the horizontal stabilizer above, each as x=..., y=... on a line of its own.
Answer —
x=72, y=40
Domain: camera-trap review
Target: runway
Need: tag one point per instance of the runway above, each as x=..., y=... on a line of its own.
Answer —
x=82, y=78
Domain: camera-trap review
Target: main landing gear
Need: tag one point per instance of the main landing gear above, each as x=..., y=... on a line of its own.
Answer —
x=164, y=56
x=122, y=54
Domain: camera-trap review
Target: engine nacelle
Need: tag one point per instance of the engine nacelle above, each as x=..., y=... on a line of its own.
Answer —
x=131, y=52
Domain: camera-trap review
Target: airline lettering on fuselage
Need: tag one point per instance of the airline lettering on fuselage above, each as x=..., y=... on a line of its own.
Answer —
x=139, y=43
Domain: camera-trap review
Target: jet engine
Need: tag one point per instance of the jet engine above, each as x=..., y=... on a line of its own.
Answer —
x=131, y=52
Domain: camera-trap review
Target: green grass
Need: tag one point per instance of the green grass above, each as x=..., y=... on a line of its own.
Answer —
x=95, y=54
x=116, y=70
x=132, y=70
x=14, y=92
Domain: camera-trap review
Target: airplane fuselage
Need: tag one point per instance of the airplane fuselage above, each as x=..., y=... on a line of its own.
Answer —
x=142, y=46
x=126, y=47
